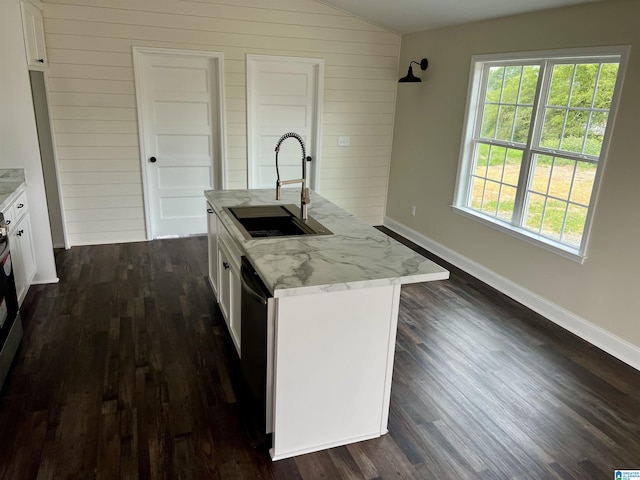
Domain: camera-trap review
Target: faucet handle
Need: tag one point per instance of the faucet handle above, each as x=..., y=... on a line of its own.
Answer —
x=306, y=197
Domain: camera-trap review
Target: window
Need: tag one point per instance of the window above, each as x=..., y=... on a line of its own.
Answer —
x=537, y=131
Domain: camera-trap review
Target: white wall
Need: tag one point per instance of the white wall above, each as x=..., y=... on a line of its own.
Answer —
x=94, y=110
x=18, y=135
x=598, y=299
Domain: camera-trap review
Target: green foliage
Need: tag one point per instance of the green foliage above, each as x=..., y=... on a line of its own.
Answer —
x=580, y=96
x=508, y=102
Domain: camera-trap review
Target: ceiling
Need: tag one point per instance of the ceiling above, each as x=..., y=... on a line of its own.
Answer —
x=409, y=16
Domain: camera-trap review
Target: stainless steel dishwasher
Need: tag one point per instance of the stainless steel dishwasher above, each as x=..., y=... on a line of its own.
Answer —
x=253, y=339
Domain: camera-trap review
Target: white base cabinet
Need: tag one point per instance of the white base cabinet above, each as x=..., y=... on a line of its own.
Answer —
x=21, y=243
x=224, y=274
x=212, y=230
x=329, y=357
x=229, y=292
x=332, y=368
x=22, y=257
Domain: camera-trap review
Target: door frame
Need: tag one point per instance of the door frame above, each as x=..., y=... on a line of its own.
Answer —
x=55, y=167
x=318, y=63
x=219, y=166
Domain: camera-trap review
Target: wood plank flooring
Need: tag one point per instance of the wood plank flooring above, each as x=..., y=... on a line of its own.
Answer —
x=126, y=370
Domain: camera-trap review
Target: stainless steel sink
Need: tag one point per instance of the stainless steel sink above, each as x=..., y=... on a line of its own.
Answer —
x=262, y=221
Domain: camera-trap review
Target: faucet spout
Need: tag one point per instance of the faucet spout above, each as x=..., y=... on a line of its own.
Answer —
x=305, y=198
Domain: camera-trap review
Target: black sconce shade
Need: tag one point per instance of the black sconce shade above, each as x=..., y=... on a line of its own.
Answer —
x=424, y=63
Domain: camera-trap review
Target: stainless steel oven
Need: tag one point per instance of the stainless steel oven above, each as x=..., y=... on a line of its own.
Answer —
x=10, y=322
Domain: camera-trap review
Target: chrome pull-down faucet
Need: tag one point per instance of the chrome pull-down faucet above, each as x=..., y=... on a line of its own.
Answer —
x=305, y=198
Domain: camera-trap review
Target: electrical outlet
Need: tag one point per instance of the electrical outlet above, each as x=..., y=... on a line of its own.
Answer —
x=413, y=210
x=344, y=141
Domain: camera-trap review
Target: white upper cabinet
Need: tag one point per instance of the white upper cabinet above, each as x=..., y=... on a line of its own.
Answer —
x=33, y=35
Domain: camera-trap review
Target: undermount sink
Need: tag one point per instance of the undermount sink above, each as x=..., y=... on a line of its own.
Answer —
x=263, y=221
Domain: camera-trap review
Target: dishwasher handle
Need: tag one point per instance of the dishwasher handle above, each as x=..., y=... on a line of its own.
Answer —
x=252, y=285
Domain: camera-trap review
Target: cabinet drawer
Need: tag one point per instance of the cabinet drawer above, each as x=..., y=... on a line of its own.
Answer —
x=20, y=206
x=14, y=212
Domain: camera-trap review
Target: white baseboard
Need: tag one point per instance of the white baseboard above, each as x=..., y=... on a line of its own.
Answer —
x=601, y=338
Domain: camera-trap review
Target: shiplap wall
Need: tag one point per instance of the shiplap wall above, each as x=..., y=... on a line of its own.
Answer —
x=91, y=85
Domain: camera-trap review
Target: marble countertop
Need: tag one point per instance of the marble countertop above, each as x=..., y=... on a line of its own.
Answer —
x=355, y=256
x=11, y=181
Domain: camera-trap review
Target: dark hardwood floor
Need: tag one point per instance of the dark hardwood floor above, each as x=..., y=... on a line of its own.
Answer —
x=126, y=370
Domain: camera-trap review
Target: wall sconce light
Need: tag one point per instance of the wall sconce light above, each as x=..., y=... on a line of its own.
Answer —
x=424, y=63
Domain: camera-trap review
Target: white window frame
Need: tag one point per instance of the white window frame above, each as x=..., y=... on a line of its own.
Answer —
x=475, y=97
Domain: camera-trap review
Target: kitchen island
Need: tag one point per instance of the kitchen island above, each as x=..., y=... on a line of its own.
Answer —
x=332, y=320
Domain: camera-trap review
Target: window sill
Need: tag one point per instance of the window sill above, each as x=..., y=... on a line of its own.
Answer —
x=547, y=244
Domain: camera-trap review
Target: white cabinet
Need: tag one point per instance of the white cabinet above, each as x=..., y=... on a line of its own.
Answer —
x=21, y=243
x=224, y=274
x=224, y=287
x=230, y=294
x=33, y=31
x=212, y=230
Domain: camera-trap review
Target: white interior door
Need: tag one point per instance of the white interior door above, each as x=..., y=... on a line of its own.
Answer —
x=179, y=112
x=283, y=95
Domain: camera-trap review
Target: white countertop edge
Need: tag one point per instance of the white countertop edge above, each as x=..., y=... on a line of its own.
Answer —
x=353, y=285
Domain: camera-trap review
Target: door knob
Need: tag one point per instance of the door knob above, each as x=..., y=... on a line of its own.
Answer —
x=153, y=159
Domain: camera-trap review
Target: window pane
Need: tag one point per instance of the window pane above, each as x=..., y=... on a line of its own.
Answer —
x=512, y=166
x=529, y=84
x=560, y=85
x=523, y=122
x=482, y=160
x=575, y=130
x=541, y=173
x=505, y=123
x=506, y=112
x=581, y=127
x=553, y=218
x=489, y=119
x=584, y=85
x=595, y=134
x=561, y=178
x=496, y=163
x=606, y=84
x=574, y=226
x=511, y=85
x=494, y=181
x=494, y=84
x=477, y=191
x=534, y=209
x=552, y=129
x=507, y=201
x=583, y=183
x=490, y=199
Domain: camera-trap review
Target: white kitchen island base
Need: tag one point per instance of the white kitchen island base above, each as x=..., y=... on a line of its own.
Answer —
x=332, y=315
x=333, y=366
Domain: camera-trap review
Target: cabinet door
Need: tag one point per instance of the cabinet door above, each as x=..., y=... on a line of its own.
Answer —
x=33, y=30
x=26, y=248
x=224, y=285
x=234, y=318
x=213, y=249
x=22, y=256
x=19, y=274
